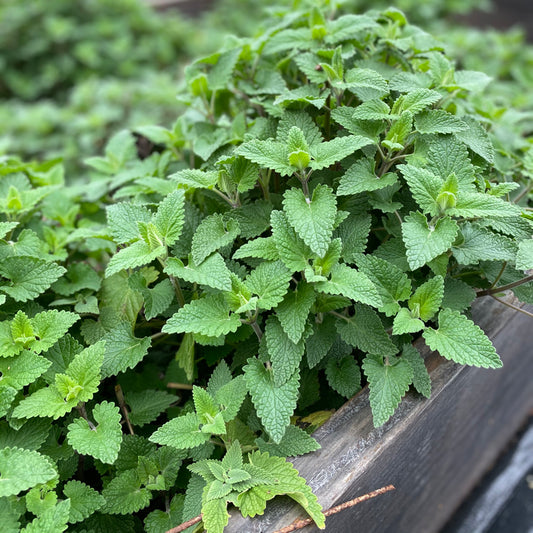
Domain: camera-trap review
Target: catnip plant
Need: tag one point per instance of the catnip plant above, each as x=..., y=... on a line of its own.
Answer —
x=330, y=194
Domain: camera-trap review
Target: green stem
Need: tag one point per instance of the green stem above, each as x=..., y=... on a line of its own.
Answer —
x=500, y=274
x=177, y=290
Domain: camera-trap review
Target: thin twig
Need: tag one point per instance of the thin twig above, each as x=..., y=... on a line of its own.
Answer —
x=180, y=386
x=496, y=290
x=299, y=524
x=185, y=525
x=122, y=403
x=519, y=309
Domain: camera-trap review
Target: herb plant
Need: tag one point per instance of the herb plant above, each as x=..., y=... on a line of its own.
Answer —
x=330, y=194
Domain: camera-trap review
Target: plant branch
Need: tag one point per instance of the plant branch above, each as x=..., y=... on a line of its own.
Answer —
x=507, y=304
x=83, y=413
x=179, y=386
x=185, y=525
x=124, y=409
x=177, y=290
x=299, y=524
x=496, y=290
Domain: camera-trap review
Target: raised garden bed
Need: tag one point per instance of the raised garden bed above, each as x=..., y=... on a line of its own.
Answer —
x=433, y=451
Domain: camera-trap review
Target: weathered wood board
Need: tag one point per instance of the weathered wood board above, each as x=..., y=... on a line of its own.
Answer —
x=434, y=451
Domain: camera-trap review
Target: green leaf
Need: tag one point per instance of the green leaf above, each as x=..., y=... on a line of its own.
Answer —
x=292, y=250
x=78, y=384
x=284, y=354
x=124, y=494
x=270, y=281
x=169, y=217
x=477, y=139
x=274, y=405
x=123, y=350
x=123, y=219
x=344, y=376
x=426, y=300
x=458, y=295
x=22, y=369
x=101, y=442
x=53, y=519
x=84, y=500
x=388, y=383
x=267, y=154
x=448, y=156
x=160, y=521
x=424, y=186
x=262, y=248
x=416, y=101
x=372, y=110
x=30, y=436
x=156, y=299
x=405, y=322
x=287, y=481
x=213, y=233
x=365, y=331
x=481, y=244
x=22, y=469
x=438, y=121
x=360, y=177
x=79, y=276
x=352, y=284
x=137, y=254
x=28, y=277
x=474, y=205
x=295, y=442
x=215, y=515
x=326, y=153
x=182, y=433
x=147, y=405
x=424, y=242
x=195, y=178
x=208, y=316
x=212, y=272
x=49, y=327
x=460, y=340
x=293, y=311
x=391, y=283
x=313, y=218
x=421, y=379
x=321, y=341
x=524, y=257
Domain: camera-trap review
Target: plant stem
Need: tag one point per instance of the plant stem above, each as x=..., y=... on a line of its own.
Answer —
x=496, y=290
x=122, y=403
x=338, y=315
x=519, y=309
x=500, y=274
x=157, y=335
x=177, y=290
x=299, y=524
x=522, y=193
x=257, y=329
x=83, y=413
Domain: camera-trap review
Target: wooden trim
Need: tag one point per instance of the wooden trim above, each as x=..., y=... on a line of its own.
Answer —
x=434, y=451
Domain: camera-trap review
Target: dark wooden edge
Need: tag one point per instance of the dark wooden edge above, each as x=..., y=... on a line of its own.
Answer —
x=434, y=451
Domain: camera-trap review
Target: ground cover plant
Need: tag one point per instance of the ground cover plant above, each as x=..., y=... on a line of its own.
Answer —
x=170, y=334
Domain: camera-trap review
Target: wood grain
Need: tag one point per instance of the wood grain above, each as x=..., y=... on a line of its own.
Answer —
x=433, y=451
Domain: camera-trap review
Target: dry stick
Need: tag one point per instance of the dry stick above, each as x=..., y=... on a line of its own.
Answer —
x=185, y=525
x=519, y=309
x=122, y=403
x=299, y=524
x=180, y=386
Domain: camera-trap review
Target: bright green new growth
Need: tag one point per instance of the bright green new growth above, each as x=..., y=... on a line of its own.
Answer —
x=334, y=191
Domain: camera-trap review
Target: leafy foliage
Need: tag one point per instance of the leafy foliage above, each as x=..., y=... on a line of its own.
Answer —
x=317, y=205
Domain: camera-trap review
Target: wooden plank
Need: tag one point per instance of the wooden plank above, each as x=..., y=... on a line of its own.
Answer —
x=434, y=451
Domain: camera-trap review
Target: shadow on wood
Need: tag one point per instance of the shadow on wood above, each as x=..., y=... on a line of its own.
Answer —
x=433, y=451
